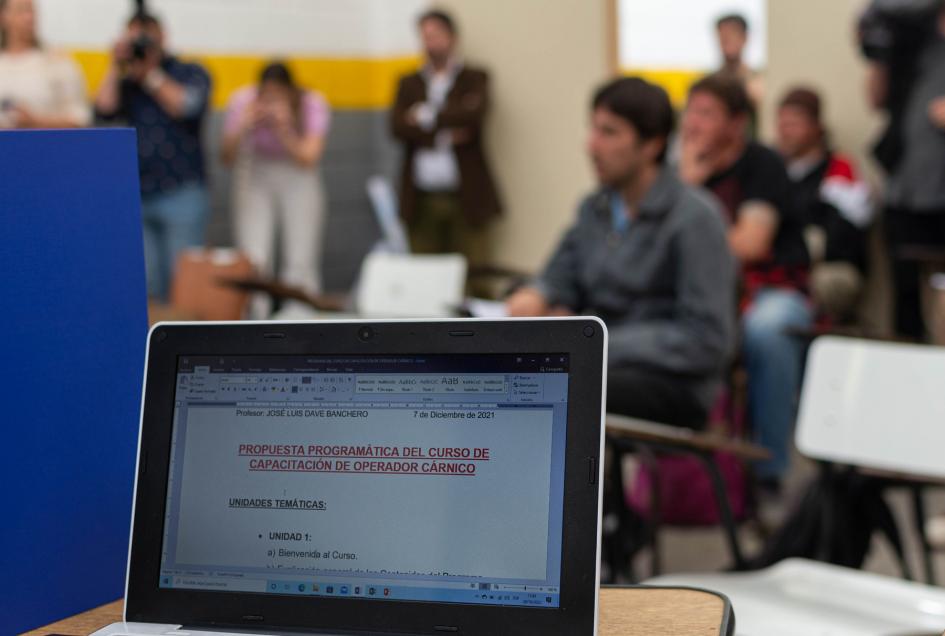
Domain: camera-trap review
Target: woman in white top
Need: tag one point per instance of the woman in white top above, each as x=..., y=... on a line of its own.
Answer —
x=38, y=89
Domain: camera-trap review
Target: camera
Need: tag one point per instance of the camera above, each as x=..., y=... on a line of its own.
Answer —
x=141, y=46
x=365, y=334
x=893, y=32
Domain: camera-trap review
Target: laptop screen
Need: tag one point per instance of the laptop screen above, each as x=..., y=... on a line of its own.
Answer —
x=436, y=478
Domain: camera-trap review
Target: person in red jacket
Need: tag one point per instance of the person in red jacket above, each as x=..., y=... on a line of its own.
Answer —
x=834, y=202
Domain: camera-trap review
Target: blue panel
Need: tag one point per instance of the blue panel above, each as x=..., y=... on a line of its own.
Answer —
x=73, y=315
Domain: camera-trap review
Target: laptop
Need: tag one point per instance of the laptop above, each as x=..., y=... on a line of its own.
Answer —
x=396, y=477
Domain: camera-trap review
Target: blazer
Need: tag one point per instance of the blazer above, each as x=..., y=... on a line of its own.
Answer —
x=465, y=109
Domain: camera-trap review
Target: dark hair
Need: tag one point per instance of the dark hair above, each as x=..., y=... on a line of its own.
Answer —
x=804, y=99
x=439, y=16
x=278, y=72
x=644, y=105
x=145, y=19
x=736, y=19
x=729, y=89
x=808, y=102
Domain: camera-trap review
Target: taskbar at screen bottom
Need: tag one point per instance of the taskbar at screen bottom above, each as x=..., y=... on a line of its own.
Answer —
x=482, y=594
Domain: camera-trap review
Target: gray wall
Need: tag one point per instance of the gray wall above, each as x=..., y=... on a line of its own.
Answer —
x=358, y=146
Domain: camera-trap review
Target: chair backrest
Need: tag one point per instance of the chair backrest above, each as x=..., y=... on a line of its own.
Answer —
x=421, y=286
x=384, y=203
x=874, y=404
x=197, y=292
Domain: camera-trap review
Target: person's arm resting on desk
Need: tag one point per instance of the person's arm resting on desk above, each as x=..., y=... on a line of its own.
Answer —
x=557, y=290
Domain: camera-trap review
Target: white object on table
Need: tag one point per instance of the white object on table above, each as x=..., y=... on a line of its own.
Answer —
x=481, y=308
x=411, y=286
x=798, y=597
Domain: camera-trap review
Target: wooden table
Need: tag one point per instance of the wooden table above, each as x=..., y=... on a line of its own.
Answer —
x=678, y=436
x=624, y=611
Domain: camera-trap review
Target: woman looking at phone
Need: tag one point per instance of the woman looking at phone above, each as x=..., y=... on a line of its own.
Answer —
x=274, y=135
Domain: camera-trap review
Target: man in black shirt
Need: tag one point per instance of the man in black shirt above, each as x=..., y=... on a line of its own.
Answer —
x=766, y=236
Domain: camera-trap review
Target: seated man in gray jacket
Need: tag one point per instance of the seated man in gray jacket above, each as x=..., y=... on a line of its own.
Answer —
x=649, y=256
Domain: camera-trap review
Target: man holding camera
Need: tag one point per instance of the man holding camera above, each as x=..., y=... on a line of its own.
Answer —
x=165, y=100
x=904, y=43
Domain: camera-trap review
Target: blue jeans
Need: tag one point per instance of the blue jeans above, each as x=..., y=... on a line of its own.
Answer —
x=172, y=221
x=773, y=359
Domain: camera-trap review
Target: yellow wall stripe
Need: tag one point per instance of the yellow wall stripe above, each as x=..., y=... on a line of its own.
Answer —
x=347, y=83
x=676, y=82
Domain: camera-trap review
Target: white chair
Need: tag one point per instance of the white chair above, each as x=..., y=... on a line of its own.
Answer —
x=384, y=203
x=404, y=286
x=877, y=406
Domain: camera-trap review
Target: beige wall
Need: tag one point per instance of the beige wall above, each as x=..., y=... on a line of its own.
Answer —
x=544, y=59
x=812, y=42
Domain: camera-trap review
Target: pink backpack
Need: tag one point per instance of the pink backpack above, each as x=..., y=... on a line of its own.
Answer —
x=685, y=490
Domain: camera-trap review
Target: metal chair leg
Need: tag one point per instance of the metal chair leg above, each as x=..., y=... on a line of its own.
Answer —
x=918, y=509
x=655, y=520
x=619, y=556
x=725, y=510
